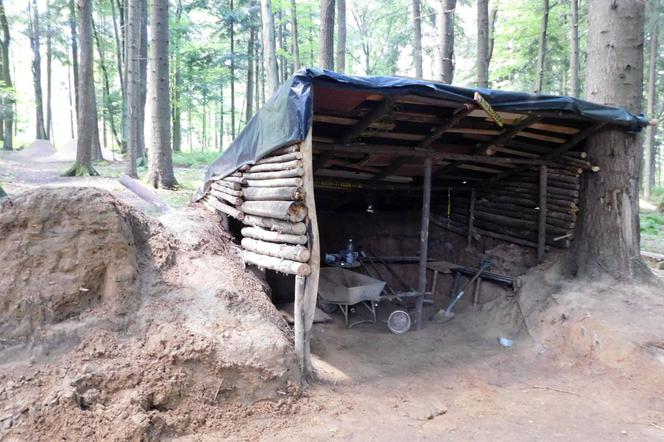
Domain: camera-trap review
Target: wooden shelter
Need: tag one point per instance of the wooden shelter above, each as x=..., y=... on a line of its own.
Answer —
x=479, y=163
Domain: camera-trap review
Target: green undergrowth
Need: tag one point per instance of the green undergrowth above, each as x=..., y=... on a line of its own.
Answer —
x=194, y=159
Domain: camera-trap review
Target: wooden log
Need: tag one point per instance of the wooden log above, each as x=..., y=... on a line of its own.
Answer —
x=424, y=242
x=285, y=210
x=276, y=264
x=224, y=208
x=471, y=217
x=226, y=190
x=283, y=251
x=288, y=173
x=235, y=179
x=284, y=150
x=280, y=158
x=268, y=167
x=228, y=184
x=274, y=194
x=282, y=182
x=298, y=323
x=275, y=225
x=269, y=235
x=234, y=200
x=541, y=227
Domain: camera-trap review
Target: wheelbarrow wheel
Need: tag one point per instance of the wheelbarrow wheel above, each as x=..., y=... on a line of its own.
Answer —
x=327, y=307
x=398, y=322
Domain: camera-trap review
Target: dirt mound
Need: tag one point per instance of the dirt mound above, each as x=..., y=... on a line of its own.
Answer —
x=36, y=150
x=113, y=327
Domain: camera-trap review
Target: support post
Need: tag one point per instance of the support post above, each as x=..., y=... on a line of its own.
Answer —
x=424, y=241
x=298, y=326
x=471, y=218
x=311, y=283
x=541, y=231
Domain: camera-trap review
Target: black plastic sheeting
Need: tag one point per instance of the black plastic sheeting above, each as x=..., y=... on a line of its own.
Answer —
x=286, y=118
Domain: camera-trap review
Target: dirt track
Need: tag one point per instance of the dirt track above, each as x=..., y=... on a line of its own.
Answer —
x=596, y=371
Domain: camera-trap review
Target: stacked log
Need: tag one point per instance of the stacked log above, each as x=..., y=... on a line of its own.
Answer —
x=509, y=210
x=267, y=198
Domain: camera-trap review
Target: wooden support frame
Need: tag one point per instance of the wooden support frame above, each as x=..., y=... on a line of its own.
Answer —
x=308, y=293
x=471, y=219
x=541, y=228
x=424, y=242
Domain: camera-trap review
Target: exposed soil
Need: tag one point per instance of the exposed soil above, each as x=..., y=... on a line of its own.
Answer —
x=587, y=361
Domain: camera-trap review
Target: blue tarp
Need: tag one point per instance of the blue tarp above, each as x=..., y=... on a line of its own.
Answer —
x=286, y=118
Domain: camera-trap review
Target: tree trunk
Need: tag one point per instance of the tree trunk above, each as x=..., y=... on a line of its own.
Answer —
x=269, y=55
x=326, y=41
x=650, y=111
x=49, y=72
x=417, y=38
x=483, y=43
x=445, y=26
x=86, y=120
x=160, y=173
x=607, y=236
x=231, y=32
x=541, y=48
x=340, y=61
x=296, y=44
x=34, y=31
x=143, y=83
x=492, y=32
x=250, y=75
x=574, y=50
x=118, y=47
x=177, y=87
x=133, y=78
x=110, y=115
x=8, y=102
x=74, y=51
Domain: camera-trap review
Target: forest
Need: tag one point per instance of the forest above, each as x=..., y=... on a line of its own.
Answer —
x=216, y=62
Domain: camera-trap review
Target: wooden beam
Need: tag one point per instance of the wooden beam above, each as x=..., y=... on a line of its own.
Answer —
x=506, y=135
x=471, y=218
x=569, y=145
x=424, y=242
x=354, y=131
x=541, y=228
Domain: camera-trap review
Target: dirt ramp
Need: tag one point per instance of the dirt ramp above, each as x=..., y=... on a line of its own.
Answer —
x=114, y=327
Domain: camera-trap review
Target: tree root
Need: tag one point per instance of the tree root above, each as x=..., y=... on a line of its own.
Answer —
x=78, y=169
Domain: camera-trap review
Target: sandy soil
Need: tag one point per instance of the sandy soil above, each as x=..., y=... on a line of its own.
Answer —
x=589, y=366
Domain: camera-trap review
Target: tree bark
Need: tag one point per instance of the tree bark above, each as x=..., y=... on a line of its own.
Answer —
x=133, y=78
x=296, y=44
x=177, y=87
x=269, y=56
x=7, y=79
x=650, y=111
x=49, y=72
x=607, y=235
x=34, y=33
x=160, y=173
x=417, y=38
x=86, y=120
x=250, y=75
x=110, y=115
x=483, y=43
x=445, y=25
x=143, y=83
x=231, y=32
x=340, y=61
x=574, y=50
x=326, y=41
x=541, y=48
x=74, y=50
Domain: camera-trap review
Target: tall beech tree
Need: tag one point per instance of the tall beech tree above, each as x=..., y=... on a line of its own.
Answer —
x=607, y=235
x=417, y=37
x=326, y=41
x=86, y=116
x=8, y=87
x=340, y=54
x=34, y=32
x=160, y=166
x=482, y=43
x=269, y=51
x=541, y=47
x=445, y=25
x=133, y=38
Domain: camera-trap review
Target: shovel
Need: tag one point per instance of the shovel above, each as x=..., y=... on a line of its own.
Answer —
x=445, y=315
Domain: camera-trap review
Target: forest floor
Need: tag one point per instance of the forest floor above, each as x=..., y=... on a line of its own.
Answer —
x=589, y=365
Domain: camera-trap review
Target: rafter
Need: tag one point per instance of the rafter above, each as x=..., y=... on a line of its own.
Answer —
x=427, y=142
x=505, y=136
x=355, y=130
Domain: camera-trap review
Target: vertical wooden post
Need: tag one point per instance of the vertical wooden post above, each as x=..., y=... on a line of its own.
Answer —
x=471, y=218
x=424, y=241
x=541, y=231
x=311, y=284
x=298, y=327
